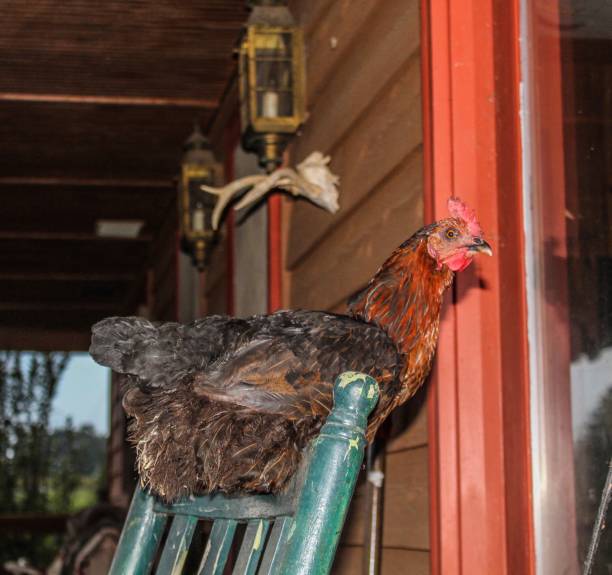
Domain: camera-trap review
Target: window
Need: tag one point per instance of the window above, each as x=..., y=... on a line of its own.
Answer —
x=567, y=71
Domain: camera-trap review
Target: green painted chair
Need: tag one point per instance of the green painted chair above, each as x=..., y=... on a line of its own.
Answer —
x=295, y=533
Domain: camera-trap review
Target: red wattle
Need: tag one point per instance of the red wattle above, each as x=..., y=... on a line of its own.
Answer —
x=458, y=261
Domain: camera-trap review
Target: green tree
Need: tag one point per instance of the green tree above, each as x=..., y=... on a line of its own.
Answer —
x=67, y=477
x=77, y=467
x=28, y=383
x=27, y=387
x=592, y=454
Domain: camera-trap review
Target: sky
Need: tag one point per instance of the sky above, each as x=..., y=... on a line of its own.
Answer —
x=591, y=379
x=83, y=394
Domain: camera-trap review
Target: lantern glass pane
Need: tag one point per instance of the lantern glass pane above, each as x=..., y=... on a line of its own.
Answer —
x=274, y=75
x=273, y=45
x=201, y=204
x=273, y=103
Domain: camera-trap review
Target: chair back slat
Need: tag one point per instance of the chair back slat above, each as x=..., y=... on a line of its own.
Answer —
x=274, y=549
x=140, y=538
x=219, y=506
x=306, y=518
x=218, y=547
x=252, y=547
x=177, y=545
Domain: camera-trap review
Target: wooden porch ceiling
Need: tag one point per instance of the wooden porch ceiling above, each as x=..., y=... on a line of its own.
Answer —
x=96, y=100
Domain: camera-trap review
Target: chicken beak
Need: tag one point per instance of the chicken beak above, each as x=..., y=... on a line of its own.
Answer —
x=481, y=247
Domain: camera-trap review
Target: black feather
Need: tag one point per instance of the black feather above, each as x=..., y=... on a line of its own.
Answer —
x=228, y=404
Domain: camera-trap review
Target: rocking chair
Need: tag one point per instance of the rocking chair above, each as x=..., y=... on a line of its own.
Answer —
x=292, y=533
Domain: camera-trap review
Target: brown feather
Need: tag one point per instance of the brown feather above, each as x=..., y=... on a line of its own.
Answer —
x=229, y=405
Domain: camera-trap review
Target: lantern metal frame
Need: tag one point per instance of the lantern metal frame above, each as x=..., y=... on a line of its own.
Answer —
x=265, y=135
x=196, y=171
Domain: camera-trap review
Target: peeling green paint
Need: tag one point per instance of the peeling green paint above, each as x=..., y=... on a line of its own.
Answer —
x=207, y=550
x=371, y=391
x=291, y=531
x=348, y=377
x=180, y=562
x=216, y=563
x=352, y=444
x=257, y=541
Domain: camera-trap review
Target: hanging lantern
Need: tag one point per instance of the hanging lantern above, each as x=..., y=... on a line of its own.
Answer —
x=196, y=206
x=272, y=86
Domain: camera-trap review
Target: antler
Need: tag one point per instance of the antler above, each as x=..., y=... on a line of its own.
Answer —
x=313, y=180
x=226, y=193
x=282, y=178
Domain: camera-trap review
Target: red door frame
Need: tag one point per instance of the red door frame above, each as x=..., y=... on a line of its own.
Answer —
x=480, y=465
x=275, y=260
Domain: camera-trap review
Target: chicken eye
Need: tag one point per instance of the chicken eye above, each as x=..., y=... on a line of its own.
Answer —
x=451, y=233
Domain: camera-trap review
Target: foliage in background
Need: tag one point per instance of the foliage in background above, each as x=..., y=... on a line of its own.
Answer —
x=592, y=453
x=41, y=470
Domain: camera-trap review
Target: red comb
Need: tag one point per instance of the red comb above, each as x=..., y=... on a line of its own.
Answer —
x=459, y=210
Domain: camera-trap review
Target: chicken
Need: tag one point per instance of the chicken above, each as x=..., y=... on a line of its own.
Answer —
x=228, y=404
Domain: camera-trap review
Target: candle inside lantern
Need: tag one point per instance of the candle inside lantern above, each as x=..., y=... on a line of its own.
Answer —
x=270, y=104
x=198, y=219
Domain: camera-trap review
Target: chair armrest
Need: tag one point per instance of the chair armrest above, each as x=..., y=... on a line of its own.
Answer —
x=329, y=481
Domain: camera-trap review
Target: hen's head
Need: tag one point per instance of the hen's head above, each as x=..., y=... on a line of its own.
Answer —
x=454, y=241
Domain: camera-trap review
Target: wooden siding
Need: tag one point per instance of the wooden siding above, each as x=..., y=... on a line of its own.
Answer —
x=364, y=103
x=250, y=254
x=164, y=304
x=160, y=303
x=216, y=277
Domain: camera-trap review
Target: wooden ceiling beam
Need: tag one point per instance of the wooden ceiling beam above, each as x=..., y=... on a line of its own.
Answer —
x=89, y=264
x=85, y=182
x=35, y=276
x=99, y=100
x=85, y=306
x=38, y=140
x=68, y=257
x=70, y=237
x=41, y=339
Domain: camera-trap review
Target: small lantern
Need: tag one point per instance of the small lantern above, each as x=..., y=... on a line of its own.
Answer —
x=272, y=87
x=196, y=206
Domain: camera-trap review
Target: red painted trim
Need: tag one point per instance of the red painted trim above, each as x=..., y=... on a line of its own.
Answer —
x=426, y=105
x=437, y=138
x=520, y=535
x=275, y=263
x=478, y=406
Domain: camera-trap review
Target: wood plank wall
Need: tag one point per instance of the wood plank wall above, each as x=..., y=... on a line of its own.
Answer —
x=163, y=296
x=161, y=304
x=363, y=75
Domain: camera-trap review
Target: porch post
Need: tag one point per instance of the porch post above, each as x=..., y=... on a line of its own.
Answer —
x=481, y=520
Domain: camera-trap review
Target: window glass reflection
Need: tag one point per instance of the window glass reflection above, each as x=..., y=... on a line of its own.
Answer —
x=586, y=49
